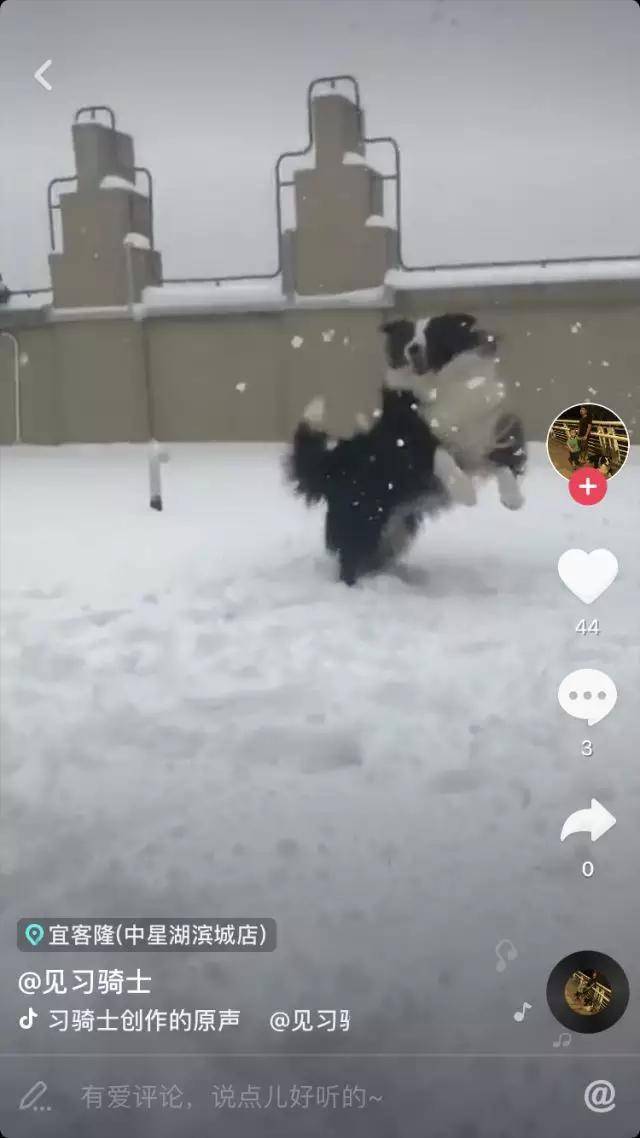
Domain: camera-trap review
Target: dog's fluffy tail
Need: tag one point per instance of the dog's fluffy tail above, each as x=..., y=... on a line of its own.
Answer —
x=307, y=464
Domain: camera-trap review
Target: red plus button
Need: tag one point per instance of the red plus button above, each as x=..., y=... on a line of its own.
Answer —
x=587, y=486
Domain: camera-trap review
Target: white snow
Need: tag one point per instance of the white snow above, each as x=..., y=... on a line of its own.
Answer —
x=352, y=158
x=197, y=719
x=245, y=295
x=533, y=272
x=137, y=241
x=93, y=312
x=115, y=182
x=358, y=298
x=297, y=341
x=376, y=221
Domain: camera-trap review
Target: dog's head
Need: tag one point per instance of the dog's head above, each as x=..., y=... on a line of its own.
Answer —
x=429, y=344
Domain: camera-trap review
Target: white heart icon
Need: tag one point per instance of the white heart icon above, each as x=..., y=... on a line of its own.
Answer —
x=588, y=575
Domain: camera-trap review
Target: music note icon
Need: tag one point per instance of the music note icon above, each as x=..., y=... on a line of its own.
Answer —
x=512, y=953
x=563, y=1040
x=519, y=1016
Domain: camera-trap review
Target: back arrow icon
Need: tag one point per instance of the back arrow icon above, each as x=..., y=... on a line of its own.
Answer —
x=595, y=821
x=39, y=75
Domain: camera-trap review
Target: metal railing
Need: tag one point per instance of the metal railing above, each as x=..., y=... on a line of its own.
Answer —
x=608, y=437
x=92, y=110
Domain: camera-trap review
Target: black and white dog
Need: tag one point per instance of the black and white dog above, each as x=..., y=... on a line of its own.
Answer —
x=379, y=483
x=450, y=364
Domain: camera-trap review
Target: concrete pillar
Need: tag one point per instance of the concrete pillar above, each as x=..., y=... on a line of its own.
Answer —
x=341, y=243
x=91, y=269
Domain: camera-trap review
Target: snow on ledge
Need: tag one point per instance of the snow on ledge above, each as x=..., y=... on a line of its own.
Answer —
x=137, y=241
x=90, y=312
x=376, y=221
x=360, y=298
x=209, y=297
x=352, y=158
x=115, y=182
x=527, y=273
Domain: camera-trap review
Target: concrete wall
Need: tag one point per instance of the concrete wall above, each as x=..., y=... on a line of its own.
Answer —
x=84, y=380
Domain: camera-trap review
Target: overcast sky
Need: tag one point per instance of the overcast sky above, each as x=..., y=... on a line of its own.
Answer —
x=517, y=119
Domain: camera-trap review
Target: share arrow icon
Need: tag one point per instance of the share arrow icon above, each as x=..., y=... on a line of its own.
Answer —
x=595, y=821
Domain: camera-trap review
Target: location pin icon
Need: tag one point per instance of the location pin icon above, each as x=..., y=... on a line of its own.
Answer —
x=34, y=934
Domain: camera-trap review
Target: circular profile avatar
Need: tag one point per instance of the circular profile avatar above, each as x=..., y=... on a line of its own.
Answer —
x=588, y=435
x=588, y=992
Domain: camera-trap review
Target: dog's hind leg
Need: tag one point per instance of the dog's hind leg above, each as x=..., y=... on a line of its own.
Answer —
x=508, y=488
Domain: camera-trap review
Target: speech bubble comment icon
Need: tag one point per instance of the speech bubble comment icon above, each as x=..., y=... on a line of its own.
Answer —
x=587, y=694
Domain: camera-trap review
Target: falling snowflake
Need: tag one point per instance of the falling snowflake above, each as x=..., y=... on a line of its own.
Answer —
x=345, y=340
x=592, y=390
x=527, y=333
x=241, y=387
x=475, y=381
x=517, y=383
x=605, y=363
x=297, y=342
x=576, y=327
x=328, y=335
x=454, y=429
x=434, y=423
x=377, y=413
x=433, y=394
x=400, y=442
x=390, y=485
x=23, y=359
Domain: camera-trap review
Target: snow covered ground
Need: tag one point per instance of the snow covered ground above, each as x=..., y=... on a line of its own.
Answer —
x=198, y=720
